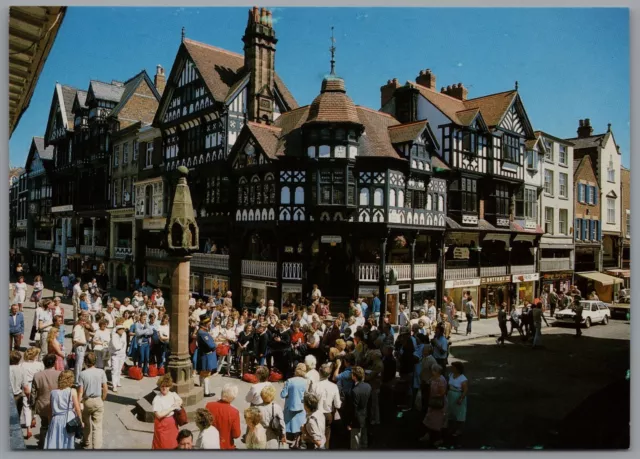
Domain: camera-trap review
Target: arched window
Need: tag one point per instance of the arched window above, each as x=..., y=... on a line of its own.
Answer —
x=299, y=195
x=377, y=197
x=392, y=198
x=441, y=203
x=364, y=197
x=285, y=195
x=400, y=198
x=429, y=203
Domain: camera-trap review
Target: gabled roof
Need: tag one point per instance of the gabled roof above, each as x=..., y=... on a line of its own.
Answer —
x=493, y=106
x=106, y=91
x=80, y=99
x=402, y=133
x=593, y=141
x=266, y=136
x=68, y=96
x=576, y=163
x=222, y=69
x=63, y=97
x=449, y=106
x=46, y=154
x=530, y=144
x=130, y=87
x=375, y=140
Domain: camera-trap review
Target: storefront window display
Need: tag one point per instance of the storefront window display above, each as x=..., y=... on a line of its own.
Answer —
x=212, y=284
x=456, y=295
x=524, y=288
x=254, y=291
x=421, y=293
x=494, y=292
x=291, y=294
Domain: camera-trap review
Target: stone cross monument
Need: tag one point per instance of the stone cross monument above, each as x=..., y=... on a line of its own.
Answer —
x=182, y=239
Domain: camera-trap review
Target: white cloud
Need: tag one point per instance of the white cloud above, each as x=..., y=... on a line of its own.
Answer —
x=459, y=64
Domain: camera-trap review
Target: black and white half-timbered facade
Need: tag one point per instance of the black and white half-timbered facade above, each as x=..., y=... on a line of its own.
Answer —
x=210, y=94
x=482, y=143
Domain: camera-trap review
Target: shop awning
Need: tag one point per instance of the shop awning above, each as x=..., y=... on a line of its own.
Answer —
x=619, y=272
x=602, y=278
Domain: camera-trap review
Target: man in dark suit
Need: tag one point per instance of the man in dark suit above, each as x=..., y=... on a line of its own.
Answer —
x=16, y=328
x=43, y=383
x=358, y=404
x=280, y=344
x=262, y=343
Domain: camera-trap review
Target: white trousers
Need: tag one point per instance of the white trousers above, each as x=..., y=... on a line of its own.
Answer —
x=116, y=369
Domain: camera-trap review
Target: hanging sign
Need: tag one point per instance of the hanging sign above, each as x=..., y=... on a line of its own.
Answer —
x=526, y=277
x=496, y=280
x=428, y=286
x=392, y=289
x=460, y=283
x=461, y=253
x=331, y=239
x=291, y=288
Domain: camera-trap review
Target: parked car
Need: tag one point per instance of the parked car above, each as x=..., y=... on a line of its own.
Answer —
x=624, y=296
x=593, y=312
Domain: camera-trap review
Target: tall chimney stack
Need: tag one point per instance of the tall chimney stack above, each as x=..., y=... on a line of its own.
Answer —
x=259, y=60
x=584, y=128
x=387, y=91
x=456, y=90
x=427, y=79
x=159, y=81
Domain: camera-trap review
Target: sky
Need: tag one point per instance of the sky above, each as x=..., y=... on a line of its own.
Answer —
x=570, y=63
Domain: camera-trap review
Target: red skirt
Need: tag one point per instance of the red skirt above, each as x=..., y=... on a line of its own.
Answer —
x=165, y=433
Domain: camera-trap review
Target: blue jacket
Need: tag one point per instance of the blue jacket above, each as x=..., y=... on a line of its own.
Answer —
x=376, y=304
x=293, y=393
x=143, y=331
x=18, y=328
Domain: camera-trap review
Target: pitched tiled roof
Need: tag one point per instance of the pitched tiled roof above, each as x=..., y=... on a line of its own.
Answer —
x=266, y=136
x=221, y=70
x=375, y=140
x=44, y=153
x=402, y=133
x=493, y=106
x=436, y=162
x=448, y=105
x=82, y=98
x=576, y=164
x=291, y=137
x=588, y=142
x=130, y=87
x=467, y=116
x=68, y=96
x=106, y=91
x=333, y=104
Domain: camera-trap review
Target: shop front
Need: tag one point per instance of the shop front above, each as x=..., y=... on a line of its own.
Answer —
x=559, y=281
x=422, y=292
x=392, y=293
x=605, y=286
x=207, y=284
x=494, y=291
x=291, y=294
x=624, y=274
x=525, y=287
x=456, y=288
x=254, y=290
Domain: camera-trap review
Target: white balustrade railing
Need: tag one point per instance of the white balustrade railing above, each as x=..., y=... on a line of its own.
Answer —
x=425, y=271
x=156, y=253
x=487, y=271
x=266, y=269
x=526, y=269
x=369, y=272
x=460, y=273
x=291, y=270
x=122, y=252
x=403, y=269
x=555, y=264
x=210, y=260
x=43, y=245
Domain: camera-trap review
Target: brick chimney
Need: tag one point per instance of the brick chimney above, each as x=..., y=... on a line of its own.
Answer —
x=456, y=90
x=584, y=128
x=159, y=81
x=387, y=91
x=427, y=79
x=259, y=60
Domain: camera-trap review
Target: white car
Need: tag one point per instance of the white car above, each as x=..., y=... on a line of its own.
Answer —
x=593, y=312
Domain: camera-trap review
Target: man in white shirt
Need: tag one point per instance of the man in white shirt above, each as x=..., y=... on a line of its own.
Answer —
x=364, y=307
x=77, y=290
x=359, y=318
x=316, y=293
x=253, y=396
x=403, y=317
x=159, y=299
x=96, y=302
x=312, y=374
x=192, y=300
x=198, y=311
x=328, y=398
x=80, y=339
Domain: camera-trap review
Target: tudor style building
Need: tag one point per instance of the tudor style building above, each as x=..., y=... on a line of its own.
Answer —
x=40, y=236
x=482, y=141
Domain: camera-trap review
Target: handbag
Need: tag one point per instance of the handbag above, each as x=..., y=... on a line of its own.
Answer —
x=180, y=415
x=32, y=336
x=74, y=426
x=222, y=350
x=275, y=424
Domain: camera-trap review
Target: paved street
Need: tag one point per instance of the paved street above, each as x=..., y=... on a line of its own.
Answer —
x=518, y=397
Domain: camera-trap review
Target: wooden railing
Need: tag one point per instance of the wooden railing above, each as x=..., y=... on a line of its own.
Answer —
x=425, y=271
x=403, y=269
x=460, y=273
x=210, y=260
x=526, y=269
x=368, y=272
x=291, y=270
x=255, y=268
x=555, y=264
x=122, y=252
x=487, y=271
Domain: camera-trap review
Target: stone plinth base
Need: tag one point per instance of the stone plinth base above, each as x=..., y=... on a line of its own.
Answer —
x=191, y=399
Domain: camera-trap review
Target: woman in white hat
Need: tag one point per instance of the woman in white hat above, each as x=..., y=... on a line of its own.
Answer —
x=118, y=351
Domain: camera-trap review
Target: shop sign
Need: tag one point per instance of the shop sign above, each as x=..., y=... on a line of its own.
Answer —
x=461, y=253
x=256, y=285
x=526, y=277
x=424, y=287
x=496, y=280
x=459, y=283
x=154, y=223
x=331, y=239
x=67, y=208
x=291, y=288
x=271, y=284
x=392, y=289
x=364, y=291
x=55, y=254
x=557, y=276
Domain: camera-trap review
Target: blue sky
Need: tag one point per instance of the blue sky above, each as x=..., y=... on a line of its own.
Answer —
x=570, y=63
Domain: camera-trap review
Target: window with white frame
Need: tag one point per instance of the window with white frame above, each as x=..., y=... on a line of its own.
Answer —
x=562, y=181
x=611, y=172
x=364, y=197
x=531, y=159
x=562, y=221
x=148, y=158
x=548, y=156
x=125, y=153
x=592, y=194
x=530, y=204
x=548, y=182
x=611, y=210
x=548, y=220
x=562, y=155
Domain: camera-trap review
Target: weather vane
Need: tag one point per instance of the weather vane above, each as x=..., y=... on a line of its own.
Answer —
x=333, y=53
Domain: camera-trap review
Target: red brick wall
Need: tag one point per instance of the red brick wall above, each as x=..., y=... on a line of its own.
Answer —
x=141, y=106
x=586, y=175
